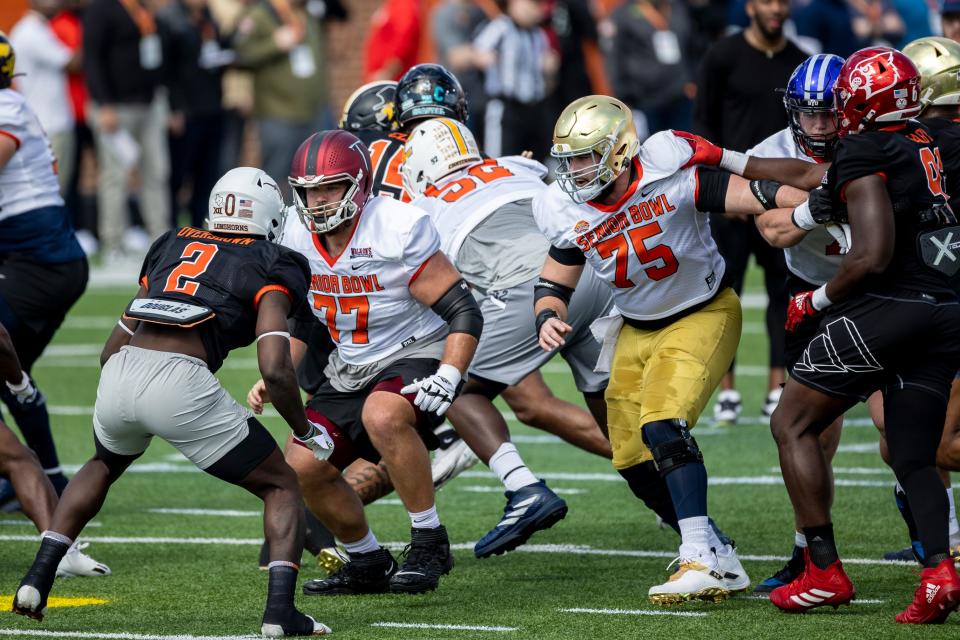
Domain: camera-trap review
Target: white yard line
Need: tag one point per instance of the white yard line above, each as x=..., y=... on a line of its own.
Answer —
x=227, y=513
x=568, y=549
x=446, y=627
x=636, y=612
x=474, y=488
x=36, y=633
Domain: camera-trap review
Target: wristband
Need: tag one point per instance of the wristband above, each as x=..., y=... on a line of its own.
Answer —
x=733, y=161
x=819, y=300
x=543, y=316
x=124, y=327
x=765, y=191
x=22, y=386
x=803, y=218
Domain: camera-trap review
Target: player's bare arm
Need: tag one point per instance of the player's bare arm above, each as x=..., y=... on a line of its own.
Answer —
x=276, y=365
x=438, y=284
x=551, y=297
x=8, y=147
x=790, y=171
x=778, y=229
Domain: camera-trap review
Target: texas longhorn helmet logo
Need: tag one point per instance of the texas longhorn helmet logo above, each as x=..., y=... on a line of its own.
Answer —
x=861, y=78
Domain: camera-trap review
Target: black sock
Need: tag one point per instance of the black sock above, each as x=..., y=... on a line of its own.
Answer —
x=34, y=423
x=646, y=483
x=44, y=568
x=903, y=506
x=796, y=558
x=281, y=587
x=823, y=548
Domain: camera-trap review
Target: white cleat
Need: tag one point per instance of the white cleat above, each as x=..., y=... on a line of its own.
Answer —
x=450, y=462
x=693, y=580
x=276, y=631
x=78, y=564
x=728, y=407
x=27, y=603
x=728, y=565
x=770, y=404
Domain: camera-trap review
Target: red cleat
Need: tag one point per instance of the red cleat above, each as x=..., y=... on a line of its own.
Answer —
x=937, y=596
x=813, y=588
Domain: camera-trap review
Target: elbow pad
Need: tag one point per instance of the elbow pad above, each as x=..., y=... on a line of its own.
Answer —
x=550, y=289
x=711, y=193
x=460, y=310
x=571, y=257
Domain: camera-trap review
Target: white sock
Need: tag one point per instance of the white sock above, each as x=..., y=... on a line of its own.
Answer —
x=366, y=544
x=695, y=532
x=952, y=518
x=714, y=541
x=425, y=519
x=800, y=540
x=509, y=467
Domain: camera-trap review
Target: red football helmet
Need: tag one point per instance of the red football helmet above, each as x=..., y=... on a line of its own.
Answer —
x=876, y=85
x=323, y=158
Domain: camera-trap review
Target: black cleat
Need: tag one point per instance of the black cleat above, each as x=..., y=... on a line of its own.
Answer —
x=365, y=573
x=790, y=572
x=289, y=623
x=426, y=558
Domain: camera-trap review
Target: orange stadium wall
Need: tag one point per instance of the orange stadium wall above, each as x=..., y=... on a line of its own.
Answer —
x=10, y=12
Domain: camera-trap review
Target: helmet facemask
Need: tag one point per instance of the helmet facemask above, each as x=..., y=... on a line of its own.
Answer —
x=814, y=145
x=325, y=217
x=586, y=183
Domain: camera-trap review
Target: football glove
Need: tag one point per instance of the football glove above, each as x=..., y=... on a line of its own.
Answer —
x=436, y=393
x=841, y=233
x=800, y=308
x=25, y=392
x=708, y=154
x=822, y=209
x=317, y=440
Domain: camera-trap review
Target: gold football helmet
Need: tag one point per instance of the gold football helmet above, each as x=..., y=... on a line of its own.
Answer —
x=603, y=127
x=938, y=60
x=7, y=61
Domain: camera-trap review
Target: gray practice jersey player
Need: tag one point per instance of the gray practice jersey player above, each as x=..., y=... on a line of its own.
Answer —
x=816, y=258
x=485, y=219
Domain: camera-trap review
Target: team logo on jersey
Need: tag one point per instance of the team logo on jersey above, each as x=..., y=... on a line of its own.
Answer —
x=581, y=226
x=862, y=75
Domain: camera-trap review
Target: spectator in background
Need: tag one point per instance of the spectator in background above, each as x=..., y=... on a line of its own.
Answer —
x=917, y=16
x=43, y=61
x=393, y=40
x=195, y=63
x=68, y=27
x=738, y=103
x=123, y=60
x=282, y=44
x=950, y=19
x=520, y=64
x=828, y=22
x=876, y=22
x=453, y=25
x=649, y=67
x=575, y=29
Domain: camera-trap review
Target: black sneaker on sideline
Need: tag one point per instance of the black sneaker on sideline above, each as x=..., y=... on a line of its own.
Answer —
x=365, y=573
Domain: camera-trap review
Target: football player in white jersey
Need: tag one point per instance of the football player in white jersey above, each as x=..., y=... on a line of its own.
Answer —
x=482, y=210
x=405, y=327
x=43, y=270
x=634, y=212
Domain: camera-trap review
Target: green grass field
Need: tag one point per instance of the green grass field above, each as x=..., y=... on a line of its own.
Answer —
x=178, y=575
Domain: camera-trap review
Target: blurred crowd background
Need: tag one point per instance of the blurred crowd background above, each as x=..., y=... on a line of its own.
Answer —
x=148, y=102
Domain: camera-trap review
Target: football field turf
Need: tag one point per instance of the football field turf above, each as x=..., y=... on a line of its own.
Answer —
x=183, y=546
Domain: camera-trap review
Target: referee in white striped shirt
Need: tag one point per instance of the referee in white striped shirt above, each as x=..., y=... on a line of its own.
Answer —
x=520, y=65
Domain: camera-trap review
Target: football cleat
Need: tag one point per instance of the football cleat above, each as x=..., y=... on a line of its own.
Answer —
x=452, y=458
x=291, y=623
x=76, y=564
x=728, y=407
x=365, y=573
x=30, y=602
x=790, y=572
x=909, y=554
x=815, y=587
x=693, y=580
x=771, y=402
x=332, y=559
x=426, y=558
x=735, y=577
x=529, y=509
x=936, y=598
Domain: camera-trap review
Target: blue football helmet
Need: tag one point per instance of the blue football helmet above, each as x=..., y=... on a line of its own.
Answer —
x=810, y=90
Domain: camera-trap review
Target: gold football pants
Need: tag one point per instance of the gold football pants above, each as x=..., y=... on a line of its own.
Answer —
x=668, y=373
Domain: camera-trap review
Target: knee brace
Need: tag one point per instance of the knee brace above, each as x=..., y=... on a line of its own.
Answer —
x=671, y=444
x=647, y=485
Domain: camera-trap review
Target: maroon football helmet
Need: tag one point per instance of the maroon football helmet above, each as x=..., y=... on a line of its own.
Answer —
x=876, y=85
x=323, y=158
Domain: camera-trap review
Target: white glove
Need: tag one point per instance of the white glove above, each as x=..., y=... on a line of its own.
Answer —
x=436, y=393
x=24, y=391
x=317, y=440
x=841, y=233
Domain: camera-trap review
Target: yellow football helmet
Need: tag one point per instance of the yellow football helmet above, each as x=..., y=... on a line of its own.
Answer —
x=597, y=125
x=938, y=60
x=7, y=61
